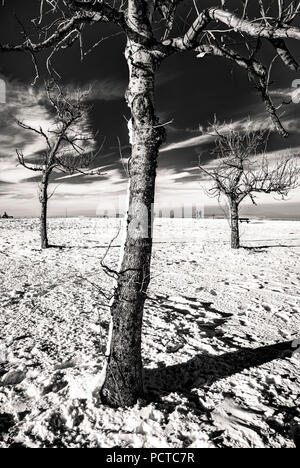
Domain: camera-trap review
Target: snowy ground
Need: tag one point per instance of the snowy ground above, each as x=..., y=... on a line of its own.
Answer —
x=220, y=337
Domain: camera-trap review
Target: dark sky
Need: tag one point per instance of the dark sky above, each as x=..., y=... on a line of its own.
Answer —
x=189, y=93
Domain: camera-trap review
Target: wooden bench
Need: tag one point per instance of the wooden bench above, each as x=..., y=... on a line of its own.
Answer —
x=244, y=220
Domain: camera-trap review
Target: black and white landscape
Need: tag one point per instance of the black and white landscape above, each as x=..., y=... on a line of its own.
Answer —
x=150, y=226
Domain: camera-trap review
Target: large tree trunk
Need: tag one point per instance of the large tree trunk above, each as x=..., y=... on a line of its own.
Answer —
x=44, y=208
x=235, y=228
x=123, y=376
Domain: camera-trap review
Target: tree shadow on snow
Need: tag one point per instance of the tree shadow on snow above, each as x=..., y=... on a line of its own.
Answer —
x=59, y=247
x=262, y=248
x=204, y=370
x=50, y=246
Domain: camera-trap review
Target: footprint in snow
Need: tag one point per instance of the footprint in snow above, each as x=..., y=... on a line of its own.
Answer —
x=174, y=348
x=12, y=378
x=283, y=316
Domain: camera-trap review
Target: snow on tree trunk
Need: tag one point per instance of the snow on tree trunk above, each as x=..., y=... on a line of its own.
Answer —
x=235, y=230
x=44, y=208
x=123, y=383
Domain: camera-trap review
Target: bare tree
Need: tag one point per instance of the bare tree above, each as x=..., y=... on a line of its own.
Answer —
x=151, y=30
x=65, y=145
x=238, y=169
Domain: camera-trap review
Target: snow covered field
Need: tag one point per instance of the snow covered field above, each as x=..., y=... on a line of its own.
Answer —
x=220, y=343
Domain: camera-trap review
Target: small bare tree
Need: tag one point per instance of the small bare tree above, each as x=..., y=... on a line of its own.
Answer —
x=241, y=169
x=65, y=145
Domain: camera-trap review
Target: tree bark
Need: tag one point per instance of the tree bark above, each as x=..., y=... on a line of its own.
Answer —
x=123, y=376
x=235, y=228
x=44, y=210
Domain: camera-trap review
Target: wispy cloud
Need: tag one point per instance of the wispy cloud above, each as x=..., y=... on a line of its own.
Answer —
x=205, y=137
x=111, y=89
x=22, y=103
x=288, y=95
x=107, y=89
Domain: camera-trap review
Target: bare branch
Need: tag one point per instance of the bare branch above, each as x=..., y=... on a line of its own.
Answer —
x=254, y=28
x=23, y=163
x=100, y=11
x=82, y=12
x=257, y=74
x=284, y=53
x=61, y=32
